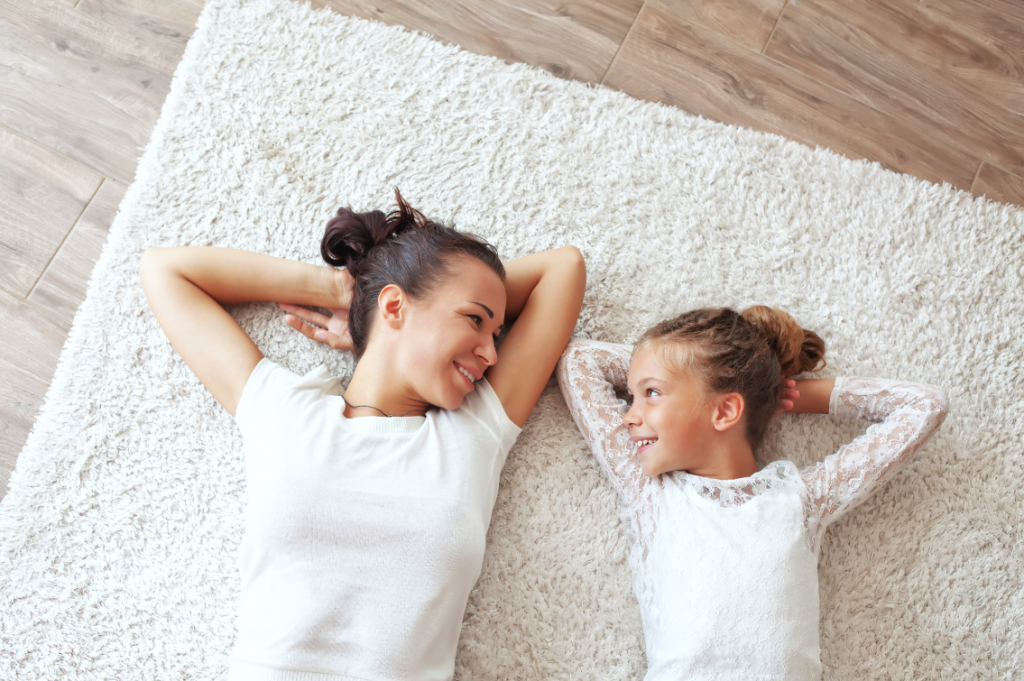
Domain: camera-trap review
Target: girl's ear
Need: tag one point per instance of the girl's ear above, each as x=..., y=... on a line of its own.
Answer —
x=392, y=303
x=728, y=411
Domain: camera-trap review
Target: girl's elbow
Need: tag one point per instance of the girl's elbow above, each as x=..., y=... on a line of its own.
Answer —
x=941, y=399
x=938, y=402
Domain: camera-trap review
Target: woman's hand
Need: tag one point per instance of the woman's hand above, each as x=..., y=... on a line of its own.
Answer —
x=790, y=395
x=332, y=330
x=341, y=286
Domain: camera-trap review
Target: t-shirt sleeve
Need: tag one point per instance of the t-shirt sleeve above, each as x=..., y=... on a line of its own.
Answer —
x=273, y=392
x=484, y=405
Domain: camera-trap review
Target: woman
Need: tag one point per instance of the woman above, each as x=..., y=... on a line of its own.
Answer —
x=368, y=508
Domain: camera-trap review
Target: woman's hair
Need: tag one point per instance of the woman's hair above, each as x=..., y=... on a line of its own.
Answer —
x=746, y=353
x=402, y=248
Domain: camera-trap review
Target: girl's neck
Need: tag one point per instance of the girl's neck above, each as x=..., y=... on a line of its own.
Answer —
x=728, y=460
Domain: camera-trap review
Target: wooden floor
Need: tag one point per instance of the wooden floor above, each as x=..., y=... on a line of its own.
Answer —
x=934, y=88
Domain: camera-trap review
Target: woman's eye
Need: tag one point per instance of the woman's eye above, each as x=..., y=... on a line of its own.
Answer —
x=476, y=319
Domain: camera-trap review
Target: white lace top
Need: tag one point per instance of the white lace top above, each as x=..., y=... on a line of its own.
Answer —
x=726, y=570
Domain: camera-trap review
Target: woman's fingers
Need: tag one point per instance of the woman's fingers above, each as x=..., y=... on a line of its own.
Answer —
x=343, y=342
x=300, y=326
x=305, y=314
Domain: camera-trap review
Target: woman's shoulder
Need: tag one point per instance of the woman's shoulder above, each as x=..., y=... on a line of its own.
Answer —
x=272, y=386
x=481, y=408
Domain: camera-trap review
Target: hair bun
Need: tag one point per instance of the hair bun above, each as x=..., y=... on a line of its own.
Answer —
x=798, y=349
x=349, y=237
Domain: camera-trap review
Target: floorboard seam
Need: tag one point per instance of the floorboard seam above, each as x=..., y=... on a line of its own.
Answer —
x=62, y=241
x=624, y=39
x=775, y=26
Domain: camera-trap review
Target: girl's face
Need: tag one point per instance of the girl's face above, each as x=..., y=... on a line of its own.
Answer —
x=670, y=422
x=451, y=333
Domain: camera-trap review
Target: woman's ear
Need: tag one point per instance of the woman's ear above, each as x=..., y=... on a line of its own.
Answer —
x=392, y=305
x=728, y=411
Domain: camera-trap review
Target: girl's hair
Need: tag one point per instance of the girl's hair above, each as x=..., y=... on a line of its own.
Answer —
x=746, y=353
x=402, y=248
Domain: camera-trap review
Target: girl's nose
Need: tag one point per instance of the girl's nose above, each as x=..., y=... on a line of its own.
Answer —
x=632, y=417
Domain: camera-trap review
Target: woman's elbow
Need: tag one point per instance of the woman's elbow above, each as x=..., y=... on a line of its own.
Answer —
x=573, y=267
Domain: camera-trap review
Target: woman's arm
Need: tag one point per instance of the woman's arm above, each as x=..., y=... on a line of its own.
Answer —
x=906, y=415
x=186, y=288
x=588, y=373
x=544, y=297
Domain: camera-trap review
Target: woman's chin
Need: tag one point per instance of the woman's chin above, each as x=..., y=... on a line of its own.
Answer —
x=450, y=402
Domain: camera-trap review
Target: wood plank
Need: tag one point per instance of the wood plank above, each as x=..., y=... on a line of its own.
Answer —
x=79, y=86
x=42, y=194
x=572, y=40
x=669, y=59
x=21, y=395
x=999, y=185
x=955, y=85
x=748, y=22
x=166, y=24
x=62, y=286
x=30, y=339
x=1002, y=20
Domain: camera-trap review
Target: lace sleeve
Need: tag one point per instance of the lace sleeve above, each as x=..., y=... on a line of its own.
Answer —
x=588, y=374
x=906, y=414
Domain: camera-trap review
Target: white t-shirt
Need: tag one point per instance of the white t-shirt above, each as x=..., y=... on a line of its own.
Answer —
x=363, y=536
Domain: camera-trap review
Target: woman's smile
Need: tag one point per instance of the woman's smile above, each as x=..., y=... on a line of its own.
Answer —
x=467, y=375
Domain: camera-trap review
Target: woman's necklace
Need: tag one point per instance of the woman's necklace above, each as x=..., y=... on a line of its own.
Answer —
x=390, y=416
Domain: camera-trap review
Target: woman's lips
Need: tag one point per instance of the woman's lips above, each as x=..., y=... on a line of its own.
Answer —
x=459, y=369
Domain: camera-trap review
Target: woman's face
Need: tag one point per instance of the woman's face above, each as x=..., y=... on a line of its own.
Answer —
x=669, y=421
x=450, y=334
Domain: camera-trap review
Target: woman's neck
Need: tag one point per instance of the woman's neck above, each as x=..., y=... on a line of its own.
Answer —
x=377, y=389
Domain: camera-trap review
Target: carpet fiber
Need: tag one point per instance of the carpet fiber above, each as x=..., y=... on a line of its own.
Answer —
x=119, y=535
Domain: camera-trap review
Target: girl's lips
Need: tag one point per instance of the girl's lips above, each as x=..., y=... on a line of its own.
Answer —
x=643, y=448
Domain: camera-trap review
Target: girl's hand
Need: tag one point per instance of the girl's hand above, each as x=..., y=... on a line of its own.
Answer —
x=789, y=396
x=332, y=330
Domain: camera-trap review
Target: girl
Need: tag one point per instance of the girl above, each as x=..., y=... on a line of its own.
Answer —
x=368, y=507
x=724, y=556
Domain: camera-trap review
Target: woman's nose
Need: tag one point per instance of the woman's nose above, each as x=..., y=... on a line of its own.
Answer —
x=487, y=352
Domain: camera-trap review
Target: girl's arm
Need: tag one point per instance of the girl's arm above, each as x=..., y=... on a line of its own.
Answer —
x=906, y=415
x=186, y=288
x=588, y=374
x=544, y=297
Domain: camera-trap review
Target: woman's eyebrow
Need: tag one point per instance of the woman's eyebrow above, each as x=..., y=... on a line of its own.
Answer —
x=489, y=313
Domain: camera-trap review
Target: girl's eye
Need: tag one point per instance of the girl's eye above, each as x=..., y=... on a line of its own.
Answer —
x=651, y=392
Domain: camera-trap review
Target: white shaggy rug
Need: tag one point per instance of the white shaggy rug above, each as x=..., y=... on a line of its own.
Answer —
x=119, y=534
